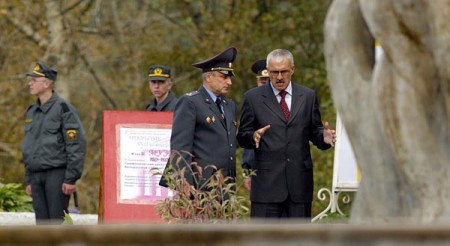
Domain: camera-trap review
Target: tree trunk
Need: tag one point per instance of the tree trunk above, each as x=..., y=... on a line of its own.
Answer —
x=59, y=47
x=397, y=110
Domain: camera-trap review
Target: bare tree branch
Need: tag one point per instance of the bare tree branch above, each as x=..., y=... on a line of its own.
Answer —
x=27, y=30
x=7, y=150
x=262, y=9
x=95, y=76
x=195, y=15
x=68, y=9
x=87, y=7
x=175, y=22
x=92, y=30
x=116, y=20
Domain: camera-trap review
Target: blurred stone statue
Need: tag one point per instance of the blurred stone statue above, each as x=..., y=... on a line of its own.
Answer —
x=396, y=109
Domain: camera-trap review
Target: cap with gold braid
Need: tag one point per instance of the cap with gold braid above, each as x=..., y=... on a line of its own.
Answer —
x=158, y=72
x=42, y=70
x=259, y=68
x=222, y=62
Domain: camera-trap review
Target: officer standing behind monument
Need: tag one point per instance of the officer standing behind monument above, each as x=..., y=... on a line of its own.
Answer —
x=204, y=123
x=53, y=149
x=160, y=84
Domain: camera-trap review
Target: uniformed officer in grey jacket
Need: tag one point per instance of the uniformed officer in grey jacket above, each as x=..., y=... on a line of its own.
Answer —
x=160, y=84
x=204, y=123
x=53, y=149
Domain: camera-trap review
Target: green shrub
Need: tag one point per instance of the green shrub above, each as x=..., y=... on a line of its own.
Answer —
x=214, y=201
x=14, y=199
x=334, y=218
x=67, y=219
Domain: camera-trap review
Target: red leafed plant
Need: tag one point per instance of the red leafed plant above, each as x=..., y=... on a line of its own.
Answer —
x=205, y=200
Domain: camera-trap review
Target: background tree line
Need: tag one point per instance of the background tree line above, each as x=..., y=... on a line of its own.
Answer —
x=103, y=48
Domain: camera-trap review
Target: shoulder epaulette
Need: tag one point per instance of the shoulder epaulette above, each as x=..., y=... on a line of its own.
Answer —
x=192, y=93
x=64, y=107
x=29, y=107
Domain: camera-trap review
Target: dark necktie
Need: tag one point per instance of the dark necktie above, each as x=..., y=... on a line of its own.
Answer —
x=284, y=106
x=218, y=103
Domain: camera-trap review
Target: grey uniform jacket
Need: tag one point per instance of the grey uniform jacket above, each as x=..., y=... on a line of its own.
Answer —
x=168, y=105
x=199, y=129
x=54, y=138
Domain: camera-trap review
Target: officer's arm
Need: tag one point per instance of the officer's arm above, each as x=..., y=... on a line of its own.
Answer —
x=75, y=143
x=183, y=129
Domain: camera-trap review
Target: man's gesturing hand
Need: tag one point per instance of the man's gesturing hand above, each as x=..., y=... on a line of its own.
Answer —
x=257, y=135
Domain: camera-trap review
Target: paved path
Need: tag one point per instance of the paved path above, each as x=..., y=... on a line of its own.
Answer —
x=28, y=219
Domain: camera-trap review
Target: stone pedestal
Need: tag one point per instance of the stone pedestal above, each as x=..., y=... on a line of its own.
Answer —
x=226, y=234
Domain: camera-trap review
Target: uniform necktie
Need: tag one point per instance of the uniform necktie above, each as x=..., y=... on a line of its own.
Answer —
x=284, y=106
x=218, y=103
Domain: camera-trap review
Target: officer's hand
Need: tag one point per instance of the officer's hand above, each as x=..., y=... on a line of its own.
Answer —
x=68, y=189
x=28, y=190
x=257, y=135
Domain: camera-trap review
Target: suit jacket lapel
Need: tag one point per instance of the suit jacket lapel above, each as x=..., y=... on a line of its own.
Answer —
x=271, y=102
x=296, y=103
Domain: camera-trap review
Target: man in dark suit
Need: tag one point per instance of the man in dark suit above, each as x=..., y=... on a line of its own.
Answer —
x=278, y=120
x=160, y=84
x=204, y=122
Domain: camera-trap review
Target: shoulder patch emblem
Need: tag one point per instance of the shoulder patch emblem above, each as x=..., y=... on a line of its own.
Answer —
x=71, y=134
x=192, y=93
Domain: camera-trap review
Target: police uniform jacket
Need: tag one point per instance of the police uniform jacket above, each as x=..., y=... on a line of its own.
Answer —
x=168, y=105
x=54, y=138
x=283, y=161
x=199, y=129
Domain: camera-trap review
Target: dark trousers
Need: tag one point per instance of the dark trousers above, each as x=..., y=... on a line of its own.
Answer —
x=286, y=209
x=49, y=202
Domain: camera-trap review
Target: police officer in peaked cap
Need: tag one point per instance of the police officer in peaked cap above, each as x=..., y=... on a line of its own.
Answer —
x=53, y=149
x=160, y=84
x=204, y=122
x=259, y=68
